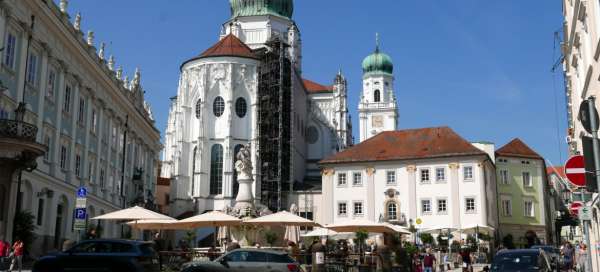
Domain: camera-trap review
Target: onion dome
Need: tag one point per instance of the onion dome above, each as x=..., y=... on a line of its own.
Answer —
x=378, y=63
x=283, y=8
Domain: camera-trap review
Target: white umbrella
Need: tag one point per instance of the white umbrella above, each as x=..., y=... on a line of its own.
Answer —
x=282, y=219
x=398, y=229
x=154, y=224
x=437, y=230
x=359, y=224
x=473, y=229
x=320, y=232
x=292, y=234
x=134, y=213
x=209, y=219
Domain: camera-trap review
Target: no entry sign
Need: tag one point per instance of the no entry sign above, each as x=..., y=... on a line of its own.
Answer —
x=575, y=170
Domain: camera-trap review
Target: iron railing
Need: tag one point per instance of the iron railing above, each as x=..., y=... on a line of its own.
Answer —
x=17, y=130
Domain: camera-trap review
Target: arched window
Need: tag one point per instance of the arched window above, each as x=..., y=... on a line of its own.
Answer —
x=216, y=170
x=377, y=96
x=218, y=106
x=392, y=211
x=236, y=185
x=194, y=171
x=198, y=109
x=241, y=107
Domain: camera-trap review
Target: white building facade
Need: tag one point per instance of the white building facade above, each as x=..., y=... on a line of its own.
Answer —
x=450, y=185
x=82, y=108
x=218, y=108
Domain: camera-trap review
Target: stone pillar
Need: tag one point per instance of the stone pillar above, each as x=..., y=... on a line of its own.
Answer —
x=455, y=195
x=328, y=196
x=370, y=205
x=412, y=191
x=58, y=121
x=43, y=80
x=71, y=177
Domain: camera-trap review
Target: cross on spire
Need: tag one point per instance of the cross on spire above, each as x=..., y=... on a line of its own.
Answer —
x=377, y=42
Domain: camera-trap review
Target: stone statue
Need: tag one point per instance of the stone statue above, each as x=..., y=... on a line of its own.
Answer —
x=101, y=51
x=90, y=38
x=111, y=63
x=126, y=82
x=64, y=4
x=77, y=23
x=294, y=208
x=119, y=73
x=243, y=165
x=136, y=78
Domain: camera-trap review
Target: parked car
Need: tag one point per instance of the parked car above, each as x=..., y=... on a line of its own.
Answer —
x=522, y=260
x=246, y=260
x=102, y=255
x=553, y=253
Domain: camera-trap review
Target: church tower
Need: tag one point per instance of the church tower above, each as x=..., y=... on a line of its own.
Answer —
x=378, y=110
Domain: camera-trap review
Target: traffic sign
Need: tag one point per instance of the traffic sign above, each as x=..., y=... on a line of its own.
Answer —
x=585, y=109
x=575, y=170
x=81, y=192
x=80, y=213
x=585, y=213
x=574, y=208
x=419, y=221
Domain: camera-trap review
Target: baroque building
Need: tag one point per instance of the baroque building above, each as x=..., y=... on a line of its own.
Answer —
x=248, y=88
x=96, y=127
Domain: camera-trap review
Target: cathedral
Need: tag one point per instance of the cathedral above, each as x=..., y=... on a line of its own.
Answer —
x=249, y=88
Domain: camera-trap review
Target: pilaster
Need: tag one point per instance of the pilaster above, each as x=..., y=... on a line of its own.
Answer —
x=370, y=205
x=412, y=191
x=455, y=195
x=41, y=98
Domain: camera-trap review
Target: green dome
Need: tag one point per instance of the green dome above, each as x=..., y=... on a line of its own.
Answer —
x=378, y=63
x=284, y=8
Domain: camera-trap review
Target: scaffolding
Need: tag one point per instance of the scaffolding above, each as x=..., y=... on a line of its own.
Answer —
x=274, y=110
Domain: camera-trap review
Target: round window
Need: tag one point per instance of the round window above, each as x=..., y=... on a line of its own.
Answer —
x=241, y=107
x=218, y=106
x=312, y=135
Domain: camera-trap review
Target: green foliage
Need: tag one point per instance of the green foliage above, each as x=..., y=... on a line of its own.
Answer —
x=508, y=241
x=412, y=229
x=484, y=237
x=190, y=238
x=426, y=238
x=410, y=248
x=24, y=228
x=361, y=236
x=402, y=258
x=270, y=237
x=442, y=242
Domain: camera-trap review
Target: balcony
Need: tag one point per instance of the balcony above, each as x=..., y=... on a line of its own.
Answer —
x=17, y=130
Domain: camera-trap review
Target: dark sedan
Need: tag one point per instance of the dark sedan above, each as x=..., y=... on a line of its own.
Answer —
x=102, y=255
x=521, y=260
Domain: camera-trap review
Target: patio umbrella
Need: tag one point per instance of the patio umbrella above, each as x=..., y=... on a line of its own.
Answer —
x=473, y=229
x=134, y=213
x=209, y=219
x=320, y=232
x=398, y=229
x=358, y=224
x=437, y=230
x=292, y=234
x=154, y=224
x=282, y=219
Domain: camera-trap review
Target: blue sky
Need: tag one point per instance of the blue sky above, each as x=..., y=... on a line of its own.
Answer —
x=480, y=67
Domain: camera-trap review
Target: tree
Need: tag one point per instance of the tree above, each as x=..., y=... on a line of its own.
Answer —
x=190, y=238
x=24, y=228
x=426, y=238
x=270, y=237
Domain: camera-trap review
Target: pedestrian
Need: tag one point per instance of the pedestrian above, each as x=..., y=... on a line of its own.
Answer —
x=582, y=258
x=159, y=243
x=4, y=248
x=17, y=260
x=294, y=251
x=429, y=261
x=568, y=253
x=466, y=260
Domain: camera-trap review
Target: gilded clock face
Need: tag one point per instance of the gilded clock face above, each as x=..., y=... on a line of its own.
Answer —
x=377, y=121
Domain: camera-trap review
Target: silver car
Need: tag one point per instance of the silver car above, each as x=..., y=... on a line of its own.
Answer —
x=246, y=260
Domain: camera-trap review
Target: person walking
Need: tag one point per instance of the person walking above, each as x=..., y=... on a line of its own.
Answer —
x=429, y=261
x=582, y=259
x=568, y=253
x=17, y=260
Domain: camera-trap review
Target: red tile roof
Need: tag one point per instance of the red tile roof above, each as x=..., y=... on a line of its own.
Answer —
x=407, y=145
x=558, y=170
x=230, y=46
x=517, y=148
x=313, y=87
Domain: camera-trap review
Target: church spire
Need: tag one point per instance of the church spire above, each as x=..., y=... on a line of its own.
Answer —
x=377, y=42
